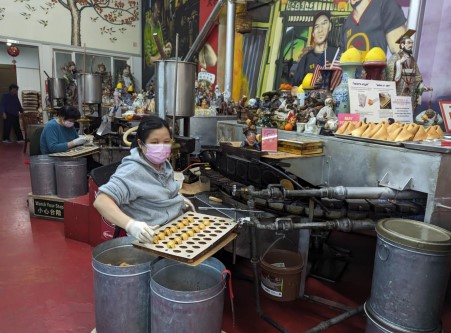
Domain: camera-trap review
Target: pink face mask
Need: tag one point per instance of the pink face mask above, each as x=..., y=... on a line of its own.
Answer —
x=68, y=123
x=158, y=153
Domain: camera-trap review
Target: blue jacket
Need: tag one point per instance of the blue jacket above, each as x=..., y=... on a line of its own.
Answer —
x=54, y=137
x=10, y=104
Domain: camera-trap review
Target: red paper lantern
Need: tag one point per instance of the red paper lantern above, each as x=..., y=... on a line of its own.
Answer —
x=13, y=51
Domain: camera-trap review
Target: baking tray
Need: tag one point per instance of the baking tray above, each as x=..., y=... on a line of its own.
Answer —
x=429, y=145
x=79, y=151
x=381, y=142
x=194, y=249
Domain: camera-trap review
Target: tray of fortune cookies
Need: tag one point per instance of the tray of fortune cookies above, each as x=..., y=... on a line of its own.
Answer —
x=389, y=134
x=191, y=237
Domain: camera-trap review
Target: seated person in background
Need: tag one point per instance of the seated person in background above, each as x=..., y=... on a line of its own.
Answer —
x=59, y=134
x=142, y=192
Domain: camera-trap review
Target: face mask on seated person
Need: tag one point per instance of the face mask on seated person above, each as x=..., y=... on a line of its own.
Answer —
x=158, y=153
x=68, y=124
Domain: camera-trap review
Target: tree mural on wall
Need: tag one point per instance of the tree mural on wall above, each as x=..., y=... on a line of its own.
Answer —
x=117, y=13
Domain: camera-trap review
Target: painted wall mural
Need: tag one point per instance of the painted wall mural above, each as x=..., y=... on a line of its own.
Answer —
x=166, y=18
x=315, y=29
x=363, y=24
x=434, y=50
x=100, y=24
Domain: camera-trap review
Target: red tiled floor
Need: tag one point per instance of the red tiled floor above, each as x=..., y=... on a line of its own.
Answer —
x=46, y=280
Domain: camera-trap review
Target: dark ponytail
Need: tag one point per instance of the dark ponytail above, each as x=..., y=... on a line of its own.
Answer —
x=69, y=112
x=147, y=126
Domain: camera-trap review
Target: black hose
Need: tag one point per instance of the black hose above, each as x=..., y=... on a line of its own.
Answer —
x=273, y=323
x=279, y=171
x=328, y=323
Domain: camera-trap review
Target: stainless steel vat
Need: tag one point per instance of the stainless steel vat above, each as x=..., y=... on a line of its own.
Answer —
x=121, y=293
x=57, y=87
x=164, y=88
x=42, y=174
x=90, y=88
x=71, y=178
x=411, y=269
x=187, y=299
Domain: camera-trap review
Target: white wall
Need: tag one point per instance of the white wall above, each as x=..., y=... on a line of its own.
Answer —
x=33, y=60
x=35, y=20
x=27, y=66
x=57, y=35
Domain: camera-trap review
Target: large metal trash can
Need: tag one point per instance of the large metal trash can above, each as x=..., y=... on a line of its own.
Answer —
x=42, y=174
x=71, y=177
x=411, y=269
x=121, y=292
x=186, y=299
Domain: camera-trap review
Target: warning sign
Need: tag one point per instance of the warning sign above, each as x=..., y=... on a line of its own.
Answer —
x=48, y=208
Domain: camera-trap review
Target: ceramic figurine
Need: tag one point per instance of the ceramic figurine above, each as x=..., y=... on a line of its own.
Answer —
x=403, y=69
x=326, y=113
x=250, y=140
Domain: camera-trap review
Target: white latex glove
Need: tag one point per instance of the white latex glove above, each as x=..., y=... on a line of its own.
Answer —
x=79, y=141
x=189, y=205
x=140, y=230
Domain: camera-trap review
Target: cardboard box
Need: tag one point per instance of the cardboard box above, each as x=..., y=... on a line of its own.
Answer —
x=300, y=146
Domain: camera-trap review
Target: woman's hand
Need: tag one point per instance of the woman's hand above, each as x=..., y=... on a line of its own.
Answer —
x=140, y=230
x=81, y=140
x=108, y=208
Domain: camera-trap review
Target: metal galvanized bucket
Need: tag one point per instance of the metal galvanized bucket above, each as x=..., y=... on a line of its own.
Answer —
x=164, y=88
x=376, y=325
x=186, y=299
x=42, y=174
x=411, y=269
x=121, y=292
x=71, y=178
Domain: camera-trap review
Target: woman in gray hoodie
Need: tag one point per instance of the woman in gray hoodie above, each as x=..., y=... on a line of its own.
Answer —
x=142, y=192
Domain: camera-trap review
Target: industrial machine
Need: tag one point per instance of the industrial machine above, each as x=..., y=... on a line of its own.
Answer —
x=271, y=202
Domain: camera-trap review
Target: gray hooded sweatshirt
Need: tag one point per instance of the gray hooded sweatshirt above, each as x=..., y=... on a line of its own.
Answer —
x=144, y=193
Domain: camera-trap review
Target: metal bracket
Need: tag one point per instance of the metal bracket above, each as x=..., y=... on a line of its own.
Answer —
x=396, y=185
x=283, y=224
